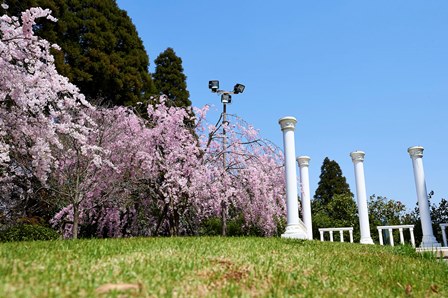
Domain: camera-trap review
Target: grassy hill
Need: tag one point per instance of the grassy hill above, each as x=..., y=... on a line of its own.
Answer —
x=214, y=266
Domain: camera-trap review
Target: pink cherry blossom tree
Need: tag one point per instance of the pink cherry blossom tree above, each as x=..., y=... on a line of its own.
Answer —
x=252, y=182
x=168, y=182
x=38, y=109
x=115, y=171
x=150, y=175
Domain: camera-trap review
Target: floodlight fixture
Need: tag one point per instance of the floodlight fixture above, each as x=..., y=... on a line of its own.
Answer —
x=226, y=98
x=239, y=88
x=213, y=85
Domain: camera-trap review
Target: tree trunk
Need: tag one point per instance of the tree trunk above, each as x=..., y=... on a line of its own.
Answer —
x=161, y=218
x=224, y=217
x=75, y=220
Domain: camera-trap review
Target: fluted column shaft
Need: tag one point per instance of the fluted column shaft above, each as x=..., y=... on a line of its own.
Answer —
x=428, y=240
x=303, y=162
x=295, y=227
x=361, y=196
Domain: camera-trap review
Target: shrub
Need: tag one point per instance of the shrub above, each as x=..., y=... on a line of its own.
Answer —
x=211, y=227
x=27, y=232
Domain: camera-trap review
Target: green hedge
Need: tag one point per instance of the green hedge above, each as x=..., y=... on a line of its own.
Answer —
x=27, y=232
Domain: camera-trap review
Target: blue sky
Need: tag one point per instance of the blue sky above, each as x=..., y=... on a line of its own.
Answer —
x=358, y=75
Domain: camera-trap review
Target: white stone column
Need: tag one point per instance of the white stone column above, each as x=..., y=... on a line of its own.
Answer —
x=411, y=231
x=304, y=162
x=391, y=237
x=401, y=236
x=295, y=227
x=428, y=239
x=380, y=235
x=361, y=196
x=443, y=227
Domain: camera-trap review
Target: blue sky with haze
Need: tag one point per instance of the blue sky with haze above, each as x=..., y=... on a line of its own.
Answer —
x=358, y=75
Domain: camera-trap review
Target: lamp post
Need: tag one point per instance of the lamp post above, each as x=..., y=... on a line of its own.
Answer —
x=226, y=98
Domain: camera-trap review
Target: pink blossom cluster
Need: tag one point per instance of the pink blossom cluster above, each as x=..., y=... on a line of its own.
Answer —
x=38, y=108
x=115, y=172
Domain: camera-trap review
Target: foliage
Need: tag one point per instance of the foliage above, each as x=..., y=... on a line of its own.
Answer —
x=27, y=232
x=101, y=51
x=341, y=211
x=114, y=174
x=333, y=204
x=38, y=109
x=170, y=80
x=216, y=267
x=439, y=214
x=160, y=181
x=210, y=227
x=252, y=182
x=384, y=211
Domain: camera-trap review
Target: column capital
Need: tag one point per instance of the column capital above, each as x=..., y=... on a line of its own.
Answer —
x=416, y=151
x=287, y=123
x=303, y=161
x=357, y=155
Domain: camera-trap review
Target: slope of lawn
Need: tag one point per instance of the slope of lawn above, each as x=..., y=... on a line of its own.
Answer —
x=214, y=266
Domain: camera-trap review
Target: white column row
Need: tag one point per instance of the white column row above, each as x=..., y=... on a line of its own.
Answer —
x=297, y=229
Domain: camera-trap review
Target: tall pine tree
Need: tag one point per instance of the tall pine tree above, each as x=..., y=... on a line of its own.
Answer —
x=101, y=51
x=170, y=80
x=333, y=204
x=331, y=183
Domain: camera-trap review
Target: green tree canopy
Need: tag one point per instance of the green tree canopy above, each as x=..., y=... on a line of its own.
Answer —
x=170, y=80
x=101, y=51
x=333, y=204
x=384, y=211
x=331, y=183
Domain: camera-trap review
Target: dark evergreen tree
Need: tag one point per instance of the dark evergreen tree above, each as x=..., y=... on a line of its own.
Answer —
x=331, y=183
x=333, y=204
x=101, y=51
x=170, y=80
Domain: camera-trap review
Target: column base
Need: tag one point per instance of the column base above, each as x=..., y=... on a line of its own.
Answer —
x=429, y=242
x=295, y=231
x=366, y=240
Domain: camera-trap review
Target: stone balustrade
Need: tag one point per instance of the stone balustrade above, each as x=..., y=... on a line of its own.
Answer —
x=391, y=235
x=443, y=227
x=340, y=230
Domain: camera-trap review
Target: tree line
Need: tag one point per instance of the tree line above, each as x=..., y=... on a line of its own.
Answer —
x=102, y=54
x=334, y=206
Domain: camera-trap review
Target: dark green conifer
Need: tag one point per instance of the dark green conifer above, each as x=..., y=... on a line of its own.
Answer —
x=331, y=183
x=101, y=51
x=170, y=80
x=333, y=204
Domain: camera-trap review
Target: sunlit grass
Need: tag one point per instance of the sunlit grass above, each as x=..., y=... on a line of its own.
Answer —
x=207, y=266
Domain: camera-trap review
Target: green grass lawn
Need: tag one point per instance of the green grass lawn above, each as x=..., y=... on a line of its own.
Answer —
x=214, y=266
